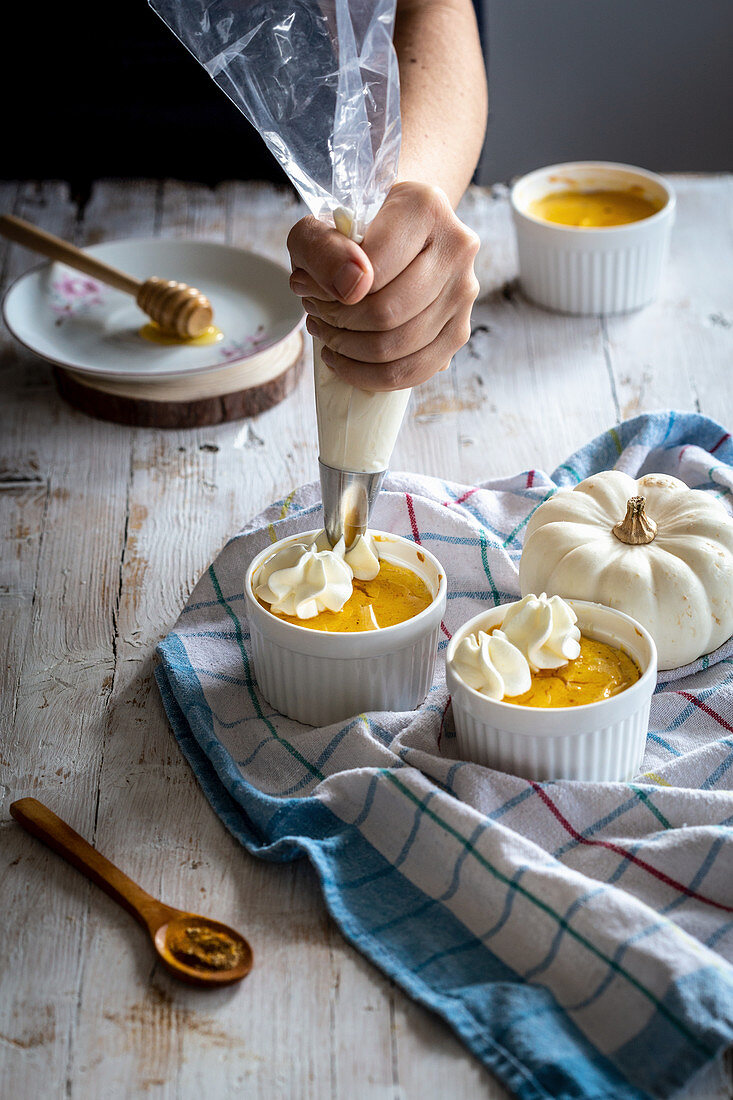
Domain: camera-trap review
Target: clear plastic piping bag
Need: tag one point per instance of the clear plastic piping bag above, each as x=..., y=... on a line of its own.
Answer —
x=319, y=80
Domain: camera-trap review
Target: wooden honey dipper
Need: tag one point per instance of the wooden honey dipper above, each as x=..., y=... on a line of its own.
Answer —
x=177, y=308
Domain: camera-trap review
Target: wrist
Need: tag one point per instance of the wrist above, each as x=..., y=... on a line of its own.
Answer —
x=425, y=194
x=426, y=175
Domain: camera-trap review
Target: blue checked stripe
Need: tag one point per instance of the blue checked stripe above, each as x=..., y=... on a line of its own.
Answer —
x=716, y=775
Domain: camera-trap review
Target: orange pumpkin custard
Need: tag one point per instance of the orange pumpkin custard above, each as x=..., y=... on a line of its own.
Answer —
x=598, y=672
x=393, y=596
x=537, y=657
x=594, y=209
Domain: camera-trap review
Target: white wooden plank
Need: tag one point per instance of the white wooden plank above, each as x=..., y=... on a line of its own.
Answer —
x=675, y=353
x=60, y=673
x=536, y=390
x=260, y=216
x=433, y=1062
x=666, y=355
x=531, y=386
x=702, y=250
x=116, y=210
x=191, y=211
x=259, y=219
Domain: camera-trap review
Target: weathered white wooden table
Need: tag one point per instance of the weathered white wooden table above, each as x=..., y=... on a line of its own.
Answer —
x=104, y=532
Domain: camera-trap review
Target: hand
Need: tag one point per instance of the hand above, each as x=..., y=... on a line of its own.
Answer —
x=395, y=310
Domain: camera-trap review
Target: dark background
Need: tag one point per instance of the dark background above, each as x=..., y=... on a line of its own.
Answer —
x=647, y=82
x=98, y=91
x=107, y=90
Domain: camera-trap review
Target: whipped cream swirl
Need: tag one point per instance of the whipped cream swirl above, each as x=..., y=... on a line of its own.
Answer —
x=536, y=633
x=544, y=630
x=303, y=579
x=489, y=663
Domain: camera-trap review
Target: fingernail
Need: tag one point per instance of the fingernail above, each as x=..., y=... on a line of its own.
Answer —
x=347, y=279
x=313, y=327
x=309, y=305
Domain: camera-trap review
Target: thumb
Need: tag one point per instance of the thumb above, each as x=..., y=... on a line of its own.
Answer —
x=340, y=268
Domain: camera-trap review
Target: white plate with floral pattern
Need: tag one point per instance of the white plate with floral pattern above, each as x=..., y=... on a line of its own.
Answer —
x=76, y=322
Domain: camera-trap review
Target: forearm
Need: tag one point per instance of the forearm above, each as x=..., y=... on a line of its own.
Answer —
x=392, y=311
x=443, y=93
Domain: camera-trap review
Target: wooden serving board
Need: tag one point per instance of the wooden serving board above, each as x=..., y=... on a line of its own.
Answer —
x=212, y=397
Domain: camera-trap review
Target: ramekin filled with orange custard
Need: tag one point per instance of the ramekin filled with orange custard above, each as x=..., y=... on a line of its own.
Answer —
x=335, y=634
x=592, y=236
x=552, y=689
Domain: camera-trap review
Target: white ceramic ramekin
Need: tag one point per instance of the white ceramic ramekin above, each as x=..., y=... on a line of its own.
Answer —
x=596, y=741
x=575, y=269
x=320, y=678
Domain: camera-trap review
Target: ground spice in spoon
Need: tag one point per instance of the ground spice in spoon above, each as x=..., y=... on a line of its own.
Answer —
x=204, y=948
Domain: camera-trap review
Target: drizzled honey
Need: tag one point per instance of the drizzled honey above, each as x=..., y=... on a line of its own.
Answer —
x=156, y=335
x=395, y=595
x=598, y=672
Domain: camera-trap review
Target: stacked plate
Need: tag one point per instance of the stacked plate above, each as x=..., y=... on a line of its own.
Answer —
x=92, y=335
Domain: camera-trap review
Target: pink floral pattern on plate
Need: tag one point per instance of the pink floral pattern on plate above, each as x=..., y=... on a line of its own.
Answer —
x=240, y=349
x=73, y=294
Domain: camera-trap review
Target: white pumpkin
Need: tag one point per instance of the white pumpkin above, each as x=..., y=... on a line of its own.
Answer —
x=654, y=548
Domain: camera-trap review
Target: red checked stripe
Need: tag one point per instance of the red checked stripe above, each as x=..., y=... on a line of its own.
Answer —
x=445, y=630
x=460, y=500
x=530, y=479
x=413, y=521
x=720, y=442
x=626, y=855
x=708, y=710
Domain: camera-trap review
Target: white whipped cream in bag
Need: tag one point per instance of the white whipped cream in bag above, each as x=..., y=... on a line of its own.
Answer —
x=303, y=579
x=357, y=429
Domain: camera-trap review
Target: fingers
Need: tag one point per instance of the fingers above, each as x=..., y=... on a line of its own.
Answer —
x=406, y=310
x=327, y=264
x=416, y=288
x=403, y=227
x=409, y=370
x=382, y=345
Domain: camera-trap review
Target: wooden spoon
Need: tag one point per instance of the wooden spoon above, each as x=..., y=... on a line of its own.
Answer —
x=179, y=309
x=196, y=949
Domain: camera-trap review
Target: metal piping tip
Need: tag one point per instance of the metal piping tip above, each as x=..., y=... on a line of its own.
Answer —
x=347, y=502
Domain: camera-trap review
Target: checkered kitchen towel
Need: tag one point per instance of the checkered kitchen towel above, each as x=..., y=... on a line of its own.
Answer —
x=578, y=937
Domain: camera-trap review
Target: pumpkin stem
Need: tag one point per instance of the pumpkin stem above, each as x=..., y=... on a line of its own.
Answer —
x=636, y=528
